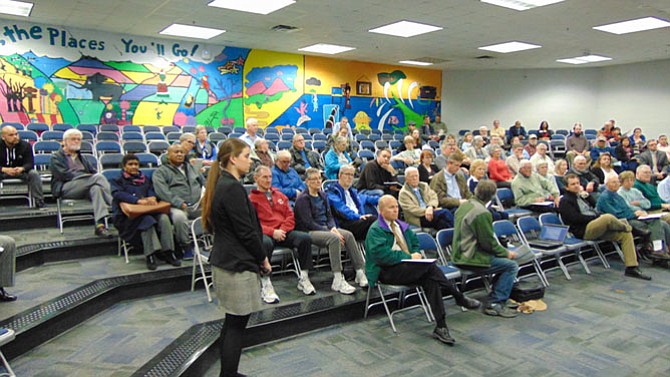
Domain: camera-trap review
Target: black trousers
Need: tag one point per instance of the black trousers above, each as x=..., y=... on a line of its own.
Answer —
x=359, y=228
x=301, y=241
x=442, y=219
x=428, y=276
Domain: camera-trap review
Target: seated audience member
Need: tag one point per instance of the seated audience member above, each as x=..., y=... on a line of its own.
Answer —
x=475, y=247
x=439, y=126
x=410, y=156
x=180, y=184
x=515, y=158
x=278, y=224
x=498, y=170
x=204, y=148
x=600, y=147
x=250, y=136
x=602, y=168
x=187, y=141
x=416, y=135
x=428, y=131
x=353, y=211
x=477, y=173
x=643, y=183
x=532, y=191
x=448, y=147
x=346, y=134
x=7, y=267
x=426, y=168
x=484, y=133
x=389, y=242
x=577, y=208
x=663, y=189
x=477, y=149
x=542, y=170
x=613, y=203
x=497, y=130
x=16, y=162
x=343, y=124
x=655, y=159
x=313, y=215
x=560, y=169
x=467, y=141
x=577, y=144
x=285, y=178
x=74, y=177
x=265, y=157
x=301, y=158
x=419, y=204
x=607, y=130
x=625, y=154
x=663, y=145
x=376, y=173
x=336, y=157
x=154, y=230
x=544, y=133
x=496, y=141
x=616, y=136
x=450, y=185
x=587, y=179
x=516, y=130
x=531, y=147
x=634, y=197
x=638, y=140
x=542, y=156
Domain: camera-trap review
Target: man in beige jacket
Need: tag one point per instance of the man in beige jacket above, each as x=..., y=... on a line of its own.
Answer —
x=419, y=204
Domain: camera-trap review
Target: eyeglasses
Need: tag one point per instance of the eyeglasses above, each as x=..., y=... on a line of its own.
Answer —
x=348, y=174
x=314, y=179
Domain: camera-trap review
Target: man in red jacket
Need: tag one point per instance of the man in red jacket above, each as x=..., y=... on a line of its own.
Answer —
x=278, y=223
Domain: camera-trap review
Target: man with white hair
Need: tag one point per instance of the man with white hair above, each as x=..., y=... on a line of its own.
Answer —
x=484, y=133
x=301, y=158
x=643, y=177
x=657, y=160
x=250, y=136
x=74, y=177
x=541, y=156
x=349, y=207
x=419, y=203
x=587, y=179
x=532, y=192
x=285, y=178
x=497, y=141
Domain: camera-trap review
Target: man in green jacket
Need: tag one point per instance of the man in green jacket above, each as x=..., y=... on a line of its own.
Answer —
x=388, y=244
x=643, y=183
x=475, y=247
x=532, y=192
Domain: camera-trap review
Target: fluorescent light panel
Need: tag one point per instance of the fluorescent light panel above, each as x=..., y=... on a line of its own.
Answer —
x=16, y=8
x=414, y=62
x=405, y=29
x=510, y=47
x=521, y=4
x=325, y=48
x=632, y=26
x=190, y=31
x=252, y=6
x=584, y=59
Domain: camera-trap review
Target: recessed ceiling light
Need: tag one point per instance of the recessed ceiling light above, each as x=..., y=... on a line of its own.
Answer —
x=414, y=62
x=632, y=26
x=510, y=47
x=584, y=59
x=16, y=8
x=191, y=31
x=405, y=29
x=252, y=6
x=521, y=4
x=325, y=48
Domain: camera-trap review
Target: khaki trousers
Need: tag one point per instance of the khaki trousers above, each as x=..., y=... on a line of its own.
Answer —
x=609, y=228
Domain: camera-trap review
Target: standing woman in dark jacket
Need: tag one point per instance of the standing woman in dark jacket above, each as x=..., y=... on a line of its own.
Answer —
x=237, y=256
x=135, y=188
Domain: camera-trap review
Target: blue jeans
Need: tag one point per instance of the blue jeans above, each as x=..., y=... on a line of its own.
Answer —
x=506, y=270
x=376, y=192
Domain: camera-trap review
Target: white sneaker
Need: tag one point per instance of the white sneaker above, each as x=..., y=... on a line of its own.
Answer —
x=306, y=286
x=268, y=293
x=341, y=285
x=361, y=279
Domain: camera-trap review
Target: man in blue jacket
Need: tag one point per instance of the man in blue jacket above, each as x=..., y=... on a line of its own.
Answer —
x=351, y=209
x=285, y=178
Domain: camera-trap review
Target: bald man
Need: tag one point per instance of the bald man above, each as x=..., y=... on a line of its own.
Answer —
x=16, y=159
x=389, y=242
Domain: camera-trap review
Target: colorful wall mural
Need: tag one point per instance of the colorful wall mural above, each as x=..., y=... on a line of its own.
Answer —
x=52, y=75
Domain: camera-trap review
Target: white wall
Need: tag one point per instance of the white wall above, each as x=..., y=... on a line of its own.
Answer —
x=634, y=94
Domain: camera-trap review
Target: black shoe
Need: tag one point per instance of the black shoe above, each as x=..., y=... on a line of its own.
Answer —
x=469, y=303
x=170, y=259
x=442, y=334
x=6, y=297
x=634, y=272
x=40, y=204
x=102, y=232
x=151, y=262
